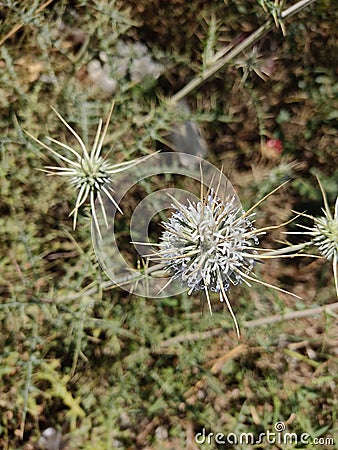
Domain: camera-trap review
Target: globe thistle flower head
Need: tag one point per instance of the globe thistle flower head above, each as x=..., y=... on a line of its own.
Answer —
x=202, y=240
x=209, y=245
x=324, y=234
x=212, y=245
x=88, y=171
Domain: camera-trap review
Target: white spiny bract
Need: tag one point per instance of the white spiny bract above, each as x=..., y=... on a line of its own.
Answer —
x=88, y=171
x=209, y=246
x=325, y=234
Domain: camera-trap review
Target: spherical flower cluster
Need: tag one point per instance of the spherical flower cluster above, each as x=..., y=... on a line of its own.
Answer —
x=209, y=245
x=325, y=234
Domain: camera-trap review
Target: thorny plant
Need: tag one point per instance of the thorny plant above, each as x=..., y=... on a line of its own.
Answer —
x=230, y=52
x=90, y=173
x=109, y=391
x=253, y=62
x=323, y=234
x=212, y=245
x=275, y=10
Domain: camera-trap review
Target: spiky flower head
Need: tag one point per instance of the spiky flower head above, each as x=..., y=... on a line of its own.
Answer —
x=212, y=245
x=253, y=62
x=324, y=234
x=89, y=172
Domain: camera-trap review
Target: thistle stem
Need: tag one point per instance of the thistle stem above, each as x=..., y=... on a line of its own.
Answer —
x=225, y=56
x=198, y=336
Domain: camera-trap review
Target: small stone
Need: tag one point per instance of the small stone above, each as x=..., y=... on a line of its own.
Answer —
x=161, y=433
x=50, y=439
x=100, y=78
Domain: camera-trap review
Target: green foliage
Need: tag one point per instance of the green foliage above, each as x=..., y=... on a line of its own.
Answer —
x=108, y=368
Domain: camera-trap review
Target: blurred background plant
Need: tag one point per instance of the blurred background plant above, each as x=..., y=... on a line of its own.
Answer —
x=104, y=368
